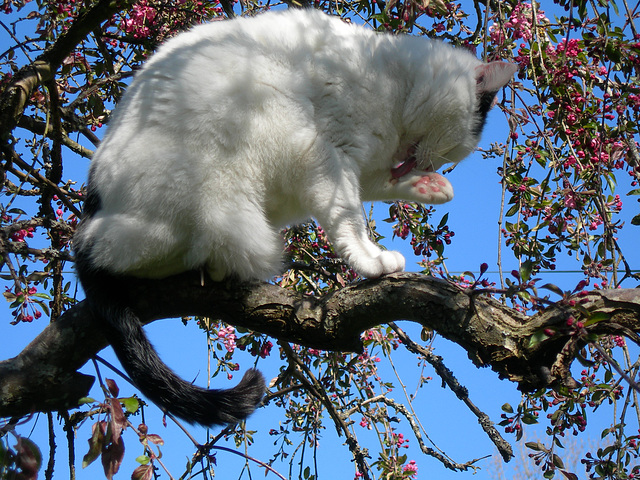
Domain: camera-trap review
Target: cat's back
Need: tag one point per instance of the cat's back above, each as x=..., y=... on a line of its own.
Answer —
x=284, y=47
x=269, y=35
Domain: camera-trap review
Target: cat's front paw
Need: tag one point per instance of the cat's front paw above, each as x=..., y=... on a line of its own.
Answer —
x=388, y=261
x=424, y=187
x=434, y=187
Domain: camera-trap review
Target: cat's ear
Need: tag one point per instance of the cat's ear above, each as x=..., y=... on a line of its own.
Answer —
x=491, y=77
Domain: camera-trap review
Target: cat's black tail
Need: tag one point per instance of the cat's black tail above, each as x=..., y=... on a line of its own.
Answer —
x=148, y=372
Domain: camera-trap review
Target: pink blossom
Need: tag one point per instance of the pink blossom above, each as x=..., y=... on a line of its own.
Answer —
x=228, y=337
x=595, y=223
x=570, y=200
x=571, y=48
x=20, y=235
x=520, y=24
x=411, y=467
x=263, y=351
x=140, y=17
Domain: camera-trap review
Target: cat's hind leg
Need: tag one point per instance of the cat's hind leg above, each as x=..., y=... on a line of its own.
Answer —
x=239, y=242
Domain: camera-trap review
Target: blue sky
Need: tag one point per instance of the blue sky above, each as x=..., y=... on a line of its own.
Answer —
x=473, y=215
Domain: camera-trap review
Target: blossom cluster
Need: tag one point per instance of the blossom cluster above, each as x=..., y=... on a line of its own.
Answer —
x=426, y=240
x=26, y=303
x=227, y=335
x=149, y=21
x=521, y=24
x=20, y=235
x=574, y=128
x=140, y=17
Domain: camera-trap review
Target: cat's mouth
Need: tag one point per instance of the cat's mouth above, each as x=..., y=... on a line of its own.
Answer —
x=404, y=167
x=408, y=163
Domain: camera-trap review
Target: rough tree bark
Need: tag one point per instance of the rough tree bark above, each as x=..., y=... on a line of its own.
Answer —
x=43, y=376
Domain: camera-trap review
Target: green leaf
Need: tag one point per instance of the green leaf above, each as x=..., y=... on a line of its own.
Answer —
x=507, y=408
x=535, y=446
x=5, y=457
x=525, y=270
x=426, y=334
x=537, y=338
x=16, y=211
x=597, y=317
x=37, y=276
x=557, y=461
x=613, y=52
x=131, y=404
x=9, y=296
x=444, y=220
x=96, y=443
x=143, y=459
x=569, y=475
x=553, y=288
x=636, y=220
x=526, y=296
x=19, y=301
x=513, y=210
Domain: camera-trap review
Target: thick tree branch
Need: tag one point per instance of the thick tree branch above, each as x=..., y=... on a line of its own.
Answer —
x=43, y=377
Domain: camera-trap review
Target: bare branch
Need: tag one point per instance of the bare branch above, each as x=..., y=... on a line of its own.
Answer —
x=461, y=392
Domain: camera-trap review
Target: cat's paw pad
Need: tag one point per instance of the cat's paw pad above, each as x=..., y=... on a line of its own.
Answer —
x=433, y=187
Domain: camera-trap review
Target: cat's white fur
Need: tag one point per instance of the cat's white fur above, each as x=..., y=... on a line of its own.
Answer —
x=238, y=128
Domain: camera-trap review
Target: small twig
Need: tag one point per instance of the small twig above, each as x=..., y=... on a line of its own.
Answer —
x=21, y=248
x=445, y=460
x=315, y=388
x=35, y=177
x=41, y=128
x=632, y=383
x=69, y=430
x=461, y=392
x=48, y=473
x=244, y=455
x=10, y=425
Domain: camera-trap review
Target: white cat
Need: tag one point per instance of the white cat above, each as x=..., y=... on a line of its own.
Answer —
x=237, y=128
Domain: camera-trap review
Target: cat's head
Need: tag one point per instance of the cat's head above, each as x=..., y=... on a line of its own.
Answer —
x=453, y=128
